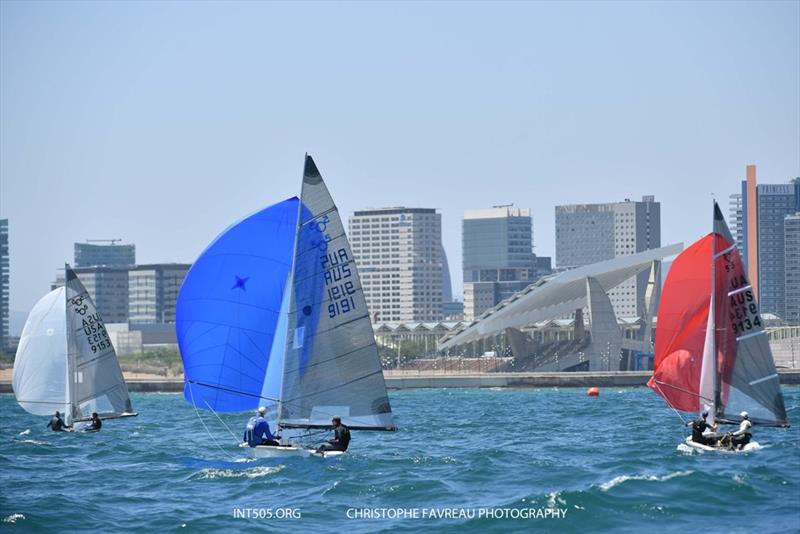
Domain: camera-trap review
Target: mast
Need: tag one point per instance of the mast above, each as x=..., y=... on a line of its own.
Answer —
x=72, y=364
x=289, y=283
x=713, y=310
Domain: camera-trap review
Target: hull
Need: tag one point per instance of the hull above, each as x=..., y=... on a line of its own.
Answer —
x=287, y=451
x=753, y=445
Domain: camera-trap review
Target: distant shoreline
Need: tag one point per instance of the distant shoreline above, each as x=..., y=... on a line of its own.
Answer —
x=397, y=380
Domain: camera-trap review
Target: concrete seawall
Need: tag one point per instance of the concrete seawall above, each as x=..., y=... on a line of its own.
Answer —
x=414, y=380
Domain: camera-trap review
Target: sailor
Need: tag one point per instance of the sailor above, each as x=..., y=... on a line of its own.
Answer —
x=742, y=436
x=57, y=424
x=699, y=426
x=95, y=423
x=341, y=437
x=257, y=431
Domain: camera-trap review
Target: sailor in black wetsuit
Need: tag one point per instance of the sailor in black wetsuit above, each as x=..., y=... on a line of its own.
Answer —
x=699, y=426
x=341, y=437
x=57, y=424
x=95, y=423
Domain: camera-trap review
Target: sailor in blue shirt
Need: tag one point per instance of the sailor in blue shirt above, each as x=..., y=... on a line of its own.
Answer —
x=257, y=431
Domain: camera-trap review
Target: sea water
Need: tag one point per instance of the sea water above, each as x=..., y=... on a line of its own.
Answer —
x=462, y=460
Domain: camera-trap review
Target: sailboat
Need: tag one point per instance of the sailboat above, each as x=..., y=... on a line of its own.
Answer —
x=711, y=351
x=272, y=313
x=65, y=361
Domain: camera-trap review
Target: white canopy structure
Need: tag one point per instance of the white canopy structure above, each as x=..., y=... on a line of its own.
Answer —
x=556, y=295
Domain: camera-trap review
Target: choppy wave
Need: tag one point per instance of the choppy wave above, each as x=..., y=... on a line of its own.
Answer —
x=616, y=481
x=13, y=518
x=211, y=473
x=32, y=442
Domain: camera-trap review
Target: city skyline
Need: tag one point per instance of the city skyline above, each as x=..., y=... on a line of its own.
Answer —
x=537, y=104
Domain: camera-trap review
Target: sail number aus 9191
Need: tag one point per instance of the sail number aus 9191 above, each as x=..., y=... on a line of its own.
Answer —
x=340, y=289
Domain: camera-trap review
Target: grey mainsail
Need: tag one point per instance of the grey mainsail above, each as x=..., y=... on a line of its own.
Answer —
x=97, y=382
x=331, y=365
x=748, y=380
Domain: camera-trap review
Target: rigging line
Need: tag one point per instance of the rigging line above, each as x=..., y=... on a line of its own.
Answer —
x=191, y=393
x=312, y=434
x=230, y=390
x=682, y=390
x=220, y=420
x=683, y=427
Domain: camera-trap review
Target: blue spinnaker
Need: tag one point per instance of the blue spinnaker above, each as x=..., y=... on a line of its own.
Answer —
x=227, y=314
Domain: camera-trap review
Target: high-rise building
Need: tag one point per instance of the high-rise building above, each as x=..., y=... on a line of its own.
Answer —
x=497, y=246
x=589, y=233
x=736, y=221
x=153, y=292
x=87, y=254
x=4, y=285
x=791, y=241
x=775, y=202
x=398, y=252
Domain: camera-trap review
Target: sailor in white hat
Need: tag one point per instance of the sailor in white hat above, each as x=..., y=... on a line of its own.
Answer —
x=742, y=436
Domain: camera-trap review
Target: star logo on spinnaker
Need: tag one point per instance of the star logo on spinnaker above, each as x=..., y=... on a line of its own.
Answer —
x=240, y=283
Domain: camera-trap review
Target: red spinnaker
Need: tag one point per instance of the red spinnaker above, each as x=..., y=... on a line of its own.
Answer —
x=681, y=328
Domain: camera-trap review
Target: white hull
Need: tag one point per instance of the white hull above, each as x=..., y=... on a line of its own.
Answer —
x=287, y=451
x=753, y=445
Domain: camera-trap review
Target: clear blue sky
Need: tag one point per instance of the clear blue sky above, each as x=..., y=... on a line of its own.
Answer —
x=161, y=123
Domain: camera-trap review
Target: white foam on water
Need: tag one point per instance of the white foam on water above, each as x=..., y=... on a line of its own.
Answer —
x=32, y=441
x=245, y=460
x=254, y=472
x=24, y=432
x=554, y=500
x=616, y=481
x=686, y=449
x=13, y=518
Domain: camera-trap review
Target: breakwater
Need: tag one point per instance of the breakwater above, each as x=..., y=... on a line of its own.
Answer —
x=433, y=379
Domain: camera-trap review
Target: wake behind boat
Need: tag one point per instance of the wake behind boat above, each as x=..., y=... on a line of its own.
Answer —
x=273, y=313
x=65, y=361
x=711, y=351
